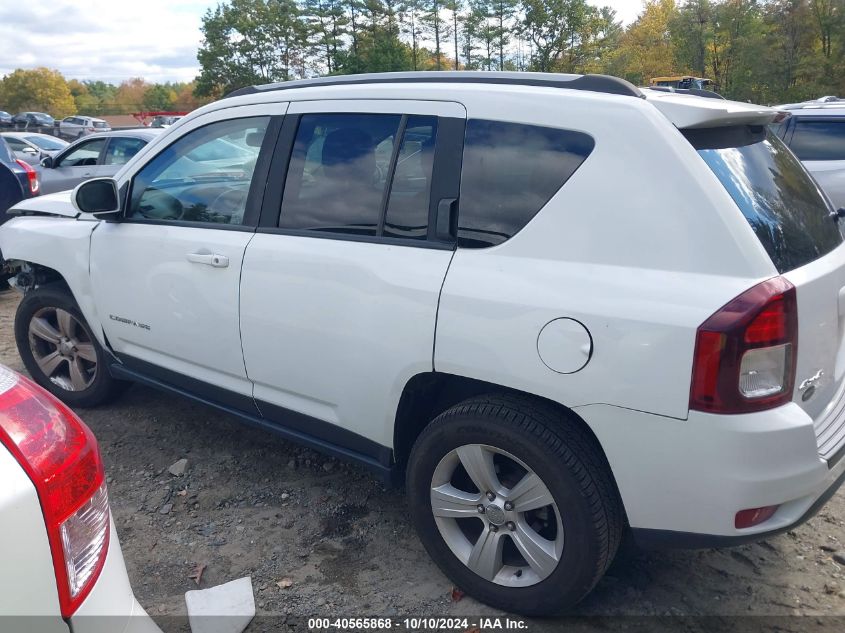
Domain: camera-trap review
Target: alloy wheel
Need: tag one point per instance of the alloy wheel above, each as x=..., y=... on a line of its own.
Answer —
x=496, y=515
x=63, y=349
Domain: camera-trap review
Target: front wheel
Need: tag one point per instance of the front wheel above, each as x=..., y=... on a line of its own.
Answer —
x=515, y=503
x=59, y=350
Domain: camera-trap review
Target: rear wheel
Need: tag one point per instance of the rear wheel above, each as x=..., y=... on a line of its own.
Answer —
x=59, y=350
x=514, y=503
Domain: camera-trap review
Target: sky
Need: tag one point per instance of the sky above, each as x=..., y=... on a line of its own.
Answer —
x=115, y=40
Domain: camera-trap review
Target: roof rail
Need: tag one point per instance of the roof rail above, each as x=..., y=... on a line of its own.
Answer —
x=698, y=92
x=814, y=105
x=593, y=83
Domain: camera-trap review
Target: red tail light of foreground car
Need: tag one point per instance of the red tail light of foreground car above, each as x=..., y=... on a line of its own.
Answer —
x=61, y=457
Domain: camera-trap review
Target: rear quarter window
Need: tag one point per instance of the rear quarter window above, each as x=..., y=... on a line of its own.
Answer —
x=510, y=171
x=819, y=139
x=782, y=203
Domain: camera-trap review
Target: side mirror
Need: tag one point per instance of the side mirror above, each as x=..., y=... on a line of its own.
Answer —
x=29, y=150
x=97, y=196
x=47, y=162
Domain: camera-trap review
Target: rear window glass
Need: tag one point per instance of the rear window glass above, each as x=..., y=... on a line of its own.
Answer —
x=45, y=142
x=5, y=154
x=818, y=140
x=509, y=172
x=782, y=203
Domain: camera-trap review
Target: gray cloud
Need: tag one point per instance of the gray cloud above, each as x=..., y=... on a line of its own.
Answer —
x=106, y=40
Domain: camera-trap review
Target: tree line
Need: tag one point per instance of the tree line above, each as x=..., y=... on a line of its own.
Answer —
x=46, y=90
x=766, y=51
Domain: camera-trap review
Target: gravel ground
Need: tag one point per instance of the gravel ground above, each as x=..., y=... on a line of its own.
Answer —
x=323, y=537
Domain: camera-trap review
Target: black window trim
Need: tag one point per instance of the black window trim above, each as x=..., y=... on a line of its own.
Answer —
x=445, y=181
x=257, y=186
x=391, y=174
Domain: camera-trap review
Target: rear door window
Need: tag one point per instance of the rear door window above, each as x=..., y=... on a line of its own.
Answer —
x=782, y=203
x=16, y=145
x=410, y=190
x=339, y=173
x=121, y=149
x=510, y=171
x=819, y=140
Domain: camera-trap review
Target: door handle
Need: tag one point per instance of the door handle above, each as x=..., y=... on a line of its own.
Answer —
x=209, y=259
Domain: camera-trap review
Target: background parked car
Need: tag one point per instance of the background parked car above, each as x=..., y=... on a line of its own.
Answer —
x=815, y=132
x=164, y=121
x=61, y=558
x=93, y=156
x=23, y=172
x=11, y=192
x=77, y=126
x=33, y=119
x=32, y=147
x=5, y=119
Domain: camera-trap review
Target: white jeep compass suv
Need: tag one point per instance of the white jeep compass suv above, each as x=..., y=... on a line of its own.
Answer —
x=563, y=307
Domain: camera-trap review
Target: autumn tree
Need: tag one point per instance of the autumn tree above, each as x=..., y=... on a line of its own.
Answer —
x=39, y=89
x=647, y=49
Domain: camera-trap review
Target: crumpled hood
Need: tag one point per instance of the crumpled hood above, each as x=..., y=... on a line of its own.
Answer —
x=52, y=204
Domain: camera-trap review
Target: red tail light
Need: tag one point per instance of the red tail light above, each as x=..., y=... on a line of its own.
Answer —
x=31, y=175
x=745, y=353
x=60, y=455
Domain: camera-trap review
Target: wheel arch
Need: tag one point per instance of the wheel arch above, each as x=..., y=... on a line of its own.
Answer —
x=53, y=250
x=429, y=394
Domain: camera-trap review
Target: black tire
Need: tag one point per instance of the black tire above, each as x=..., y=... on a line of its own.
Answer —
x=103, y=388
x=567, y=460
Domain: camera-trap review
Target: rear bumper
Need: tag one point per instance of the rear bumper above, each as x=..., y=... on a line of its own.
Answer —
x=683, y=481
x=111, y=606
x=667, y=539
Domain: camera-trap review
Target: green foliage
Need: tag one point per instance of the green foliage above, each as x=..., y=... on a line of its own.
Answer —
x=40, y=89
x=766, y=51
x=252, y=41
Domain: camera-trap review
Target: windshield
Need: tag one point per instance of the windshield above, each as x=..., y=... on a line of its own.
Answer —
x=782, y=203
x=45, y=142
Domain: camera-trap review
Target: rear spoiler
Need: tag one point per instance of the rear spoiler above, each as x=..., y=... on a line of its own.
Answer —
x=690, y=111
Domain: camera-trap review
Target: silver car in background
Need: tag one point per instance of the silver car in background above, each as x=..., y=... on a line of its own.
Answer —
x=93, y=156
x=32, y=147
x=79, y=126
x=815, y=132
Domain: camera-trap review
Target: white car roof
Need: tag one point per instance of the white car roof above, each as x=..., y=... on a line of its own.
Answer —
x=683, y=110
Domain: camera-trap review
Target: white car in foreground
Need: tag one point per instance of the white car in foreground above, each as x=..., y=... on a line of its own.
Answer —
x=560, y=306
x=62, y=569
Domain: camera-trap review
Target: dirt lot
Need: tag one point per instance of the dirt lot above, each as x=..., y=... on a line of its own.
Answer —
x=251, y=504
